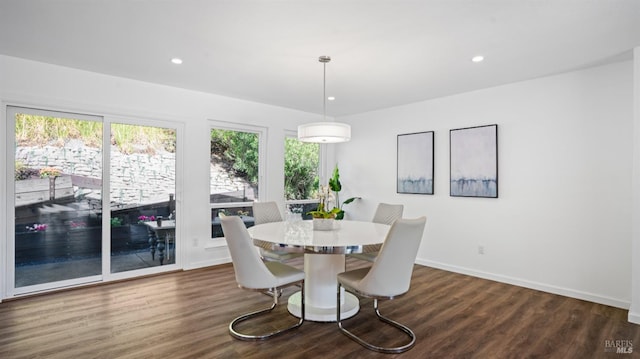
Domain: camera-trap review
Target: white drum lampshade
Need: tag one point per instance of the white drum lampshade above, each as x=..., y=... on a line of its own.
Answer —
x=324, y=132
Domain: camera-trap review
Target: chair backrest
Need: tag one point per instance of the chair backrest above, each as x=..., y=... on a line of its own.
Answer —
x=250, y=270
x=390, y=274
x=266, y=212
x=387, y=213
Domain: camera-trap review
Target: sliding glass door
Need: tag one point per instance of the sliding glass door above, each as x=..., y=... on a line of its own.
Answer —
x=142, y=199
x=67, y=225
x=57, y=190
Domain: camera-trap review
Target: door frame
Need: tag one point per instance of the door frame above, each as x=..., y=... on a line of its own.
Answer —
x=7, y=211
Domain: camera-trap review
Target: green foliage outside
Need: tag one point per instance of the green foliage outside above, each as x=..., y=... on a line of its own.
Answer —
x=34, y=130
x=136, y=138
x=23, y=172
x=239, y=151
x=116, y=222
x=301, y=179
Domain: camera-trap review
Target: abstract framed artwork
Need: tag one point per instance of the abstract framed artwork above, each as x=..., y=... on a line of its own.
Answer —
x=474, y=161
x=415, y=163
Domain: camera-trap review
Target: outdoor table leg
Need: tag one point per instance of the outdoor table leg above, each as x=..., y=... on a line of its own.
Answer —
x=152, y=243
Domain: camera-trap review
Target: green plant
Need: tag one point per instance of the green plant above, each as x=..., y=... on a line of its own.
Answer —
x=336, y=187
x=47, y=172
x=22, y=172
x=116, y=222
x=325, y=196
x=321, y=211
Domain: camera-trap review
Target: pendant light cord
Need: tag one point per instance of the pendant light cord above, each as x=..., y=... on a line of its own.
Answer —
x=324, y=92
x=324, y=60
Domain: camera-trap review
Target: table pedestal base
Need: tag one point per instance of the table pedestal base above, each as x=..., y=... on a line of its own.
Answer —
x=349, y=308
x=321, y=271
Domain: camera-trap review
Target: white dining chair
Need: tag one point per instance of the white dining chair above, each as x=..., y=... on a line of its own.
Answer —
x=385, y=214
x=267, y=212
x=388, y=278
x=256, y=275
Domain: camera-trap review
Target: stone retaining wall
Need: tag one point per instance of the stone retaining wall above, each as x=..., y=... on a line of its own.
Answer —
x=135, y=178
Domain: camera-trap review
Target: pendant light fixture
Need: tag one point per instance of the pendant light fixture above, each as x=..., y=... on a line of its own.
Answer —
x=326, y=131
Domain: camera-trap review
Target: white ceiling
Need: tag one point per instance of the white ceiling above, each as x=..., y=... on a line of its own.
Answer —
x=384, y=53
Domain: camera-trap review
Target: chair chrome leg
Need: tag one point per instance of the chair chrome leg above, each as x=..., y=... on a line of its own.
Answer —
x=270, y=293
x=244, y=317
x=370, y=346
x=401, y=327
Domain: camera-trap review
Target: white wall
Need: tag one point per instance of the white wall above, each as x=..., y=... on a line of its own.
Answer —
x=33, y=84
x=634, y=310
x=562, y=222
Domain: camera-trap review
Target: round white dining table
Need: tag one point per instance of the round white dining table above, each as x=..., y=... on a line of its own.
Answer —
x=324, y=257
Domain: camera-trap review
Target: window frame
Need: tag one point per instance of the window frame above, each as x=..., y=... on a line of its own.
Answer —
x=7, y=280
x=10, y=290
x=322, y=173
x=262, y=133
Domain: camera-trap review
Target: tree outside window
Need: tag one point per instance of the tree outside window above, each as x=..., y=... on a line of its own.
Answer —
x=301, y=165
x=301, y=175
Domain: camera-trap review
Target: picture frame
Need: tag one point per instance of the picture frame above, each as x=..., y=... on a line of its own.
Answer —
x=473, y=162
x=415, y=163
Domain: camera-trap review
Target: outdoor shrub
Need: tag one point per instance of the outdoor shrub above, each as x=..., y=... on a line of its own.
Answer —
x=23, y=173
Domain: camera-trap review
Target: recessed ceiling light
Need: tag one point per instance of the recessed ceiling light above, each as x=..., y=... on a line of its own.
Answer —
x=331, y=98
x=176, y=61
x=478, y=58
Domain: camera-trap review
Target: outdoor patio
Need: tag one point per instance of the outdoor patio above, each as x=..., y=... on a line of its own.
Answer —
x=56, y=271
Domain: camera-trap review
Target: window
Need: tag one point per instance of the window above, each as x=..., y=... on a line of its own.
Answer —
x=235, y=168
x=301, y=175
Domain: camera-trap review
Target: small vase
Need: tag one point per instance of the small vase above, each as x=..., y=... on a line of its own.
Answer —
x=323, y=224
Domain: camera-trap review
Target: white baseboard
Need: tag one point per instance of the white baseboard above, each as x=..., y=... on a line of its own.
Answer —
x=634, y=318
x=215, y=243
x=567, y=292
x=217, y=250
x=207, y=263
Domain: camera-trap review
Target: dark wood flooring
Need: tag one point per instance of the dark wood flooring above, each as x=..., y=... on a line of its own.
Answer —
x=186, y=314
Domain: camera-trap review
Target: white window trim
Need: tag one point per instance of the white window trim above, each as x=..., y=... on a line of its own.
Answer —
x=262, y=157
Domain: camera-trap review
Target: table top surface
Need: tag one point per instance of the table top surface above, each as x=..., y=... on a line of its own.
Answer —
x=245, y=219
x=299, y=236
x=166, y=224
